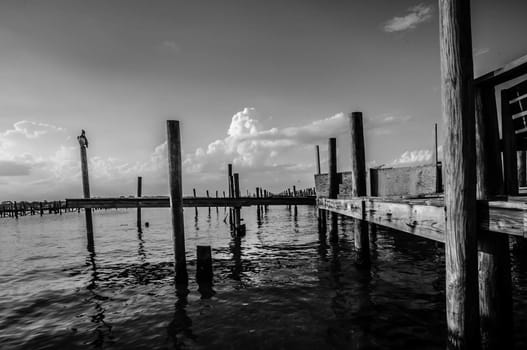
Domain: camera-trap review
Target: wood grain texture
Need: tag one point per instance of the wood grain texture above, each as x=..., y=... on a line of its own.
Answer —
x=176, y=200
x=86, y=193
x=460, y=175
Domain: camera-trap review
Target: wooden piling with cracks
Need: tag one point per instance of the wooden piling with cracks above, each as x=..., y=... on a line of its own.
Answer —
x=460, y=175
x=176, y=200
x=83, y=143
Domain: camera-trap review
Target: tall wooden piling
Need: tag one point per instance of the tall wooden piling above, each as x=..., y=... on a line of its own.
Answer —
x=83, y=143
x=495, y=291
x=195, y=208
x=358, y=184
x=176, y=200
x=231, y=193
x=332, y=171
x=333, y=180
x=317, y=158
x=139, y=194
x=237, y=218
x=460, y=176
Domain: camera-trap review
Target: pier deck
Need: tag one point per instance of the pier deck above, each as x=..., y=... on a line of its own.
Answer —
x=425, y=217
x=164, y=202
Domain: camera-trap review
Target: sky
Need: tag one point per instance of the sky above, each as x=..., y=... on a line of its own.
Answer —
x=253, y=83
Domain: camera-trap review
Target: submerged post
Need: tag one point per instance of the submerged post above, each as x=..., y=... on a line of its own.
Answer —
x=460, y=177
x=83, y=143
x=139, y=194
x=358, y=184
x=176, y=200
x=495, y=291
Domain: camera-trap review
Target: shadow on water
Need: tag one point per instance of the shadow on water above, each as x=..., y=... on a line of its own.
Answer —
x=352, y=305
x=235, y=248
x=180, y=328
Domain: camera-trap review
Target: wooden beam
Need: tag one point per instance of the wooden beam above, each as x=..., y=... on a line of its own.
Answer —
x=461, y=257
x=176, y=200
x=358, y=185
x=426, y=218
x=164, y=202
x=495, y=296
x=83, y=143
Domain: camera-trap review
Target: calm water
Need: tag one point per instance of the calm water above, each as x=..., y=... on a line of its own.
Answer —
x=280, y=287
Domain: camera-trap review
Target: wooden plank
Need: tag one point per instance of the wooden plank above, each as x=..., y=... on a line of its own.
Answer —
x=176, y=202
x=425, y=218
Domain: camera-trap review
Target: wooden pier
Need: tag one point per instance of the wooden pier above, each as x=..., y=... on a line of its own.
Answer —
x=469, y=201
x=164, y=202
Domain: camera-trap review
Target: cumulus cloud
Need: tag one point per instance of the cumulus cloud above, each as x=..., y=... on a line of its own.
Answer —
x=416, y=157
x=416, y=15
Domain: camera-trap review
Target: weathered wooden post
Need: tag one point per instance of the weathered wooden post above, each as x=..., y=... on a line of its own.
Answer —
x=460, y=176
x=317, y=158
x=358, y=184
x=15, y=208
x=522, y=178
x=195, y=208
x=208, y=196
x=495, y=291
x=231, y=195
x=139, y=194
x=204, y=272
x=176, y=200
x=237, y=214
x=217, y=210
x=333, y=181
x=83, y=143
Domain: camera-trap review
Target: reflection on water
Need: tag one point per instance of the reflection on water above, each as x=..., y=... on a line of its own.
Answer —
x=285, y=285
x=103, y=330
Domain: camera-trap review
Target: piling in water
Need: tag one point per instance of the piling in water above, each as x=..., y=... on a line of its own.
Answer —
x=176, y=200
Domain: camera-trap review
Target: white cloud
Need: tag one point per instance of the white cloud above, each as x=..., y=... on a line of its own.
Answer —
x=416, y=157
x=416, y=15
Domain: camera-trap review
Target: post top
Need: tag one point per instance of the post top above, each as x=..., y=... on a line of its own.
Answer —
x=83, y=140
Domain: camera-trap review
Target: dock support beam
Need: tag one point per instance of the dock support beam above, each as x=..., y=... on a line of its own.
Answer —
x=495, y=290
x=176, y=200
x=358, y=184
x=83, y=143
x=460, y=177
x=139, y=194
x=333, y=182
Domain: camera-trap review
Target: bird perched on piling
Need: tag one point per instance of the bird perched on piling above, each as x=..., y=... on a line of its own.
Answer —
x=83, y=140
